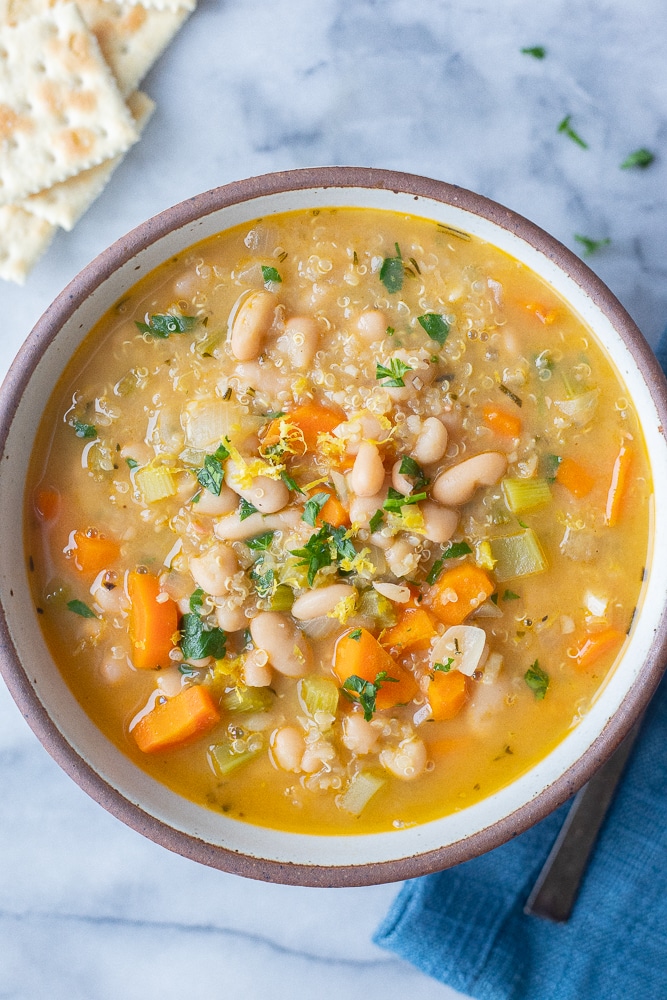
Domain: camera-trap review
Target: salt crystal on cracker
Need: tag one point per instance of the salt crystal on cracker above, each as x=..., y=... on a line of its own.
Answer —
x=64, y=203
x=23, y=239
x=60, y=108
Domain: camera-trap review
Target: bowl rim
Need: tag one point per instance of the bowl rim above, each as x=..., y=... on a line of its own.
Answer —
x=45, y=332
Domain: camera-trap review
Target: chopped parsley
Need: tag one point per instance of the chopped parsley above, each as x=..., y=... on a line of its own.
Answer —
x=79, y=608
x=591, y=246
x=199, y=641
x=550, y=465
x=567, y=130
x=413, y=470
x=83, y=430
x=313, y=507
x=246, y=509
x=355, y=634
x=260, y=543
x=395, y=500
x=197, y=600
x=510, y=395
x=392, y=271
x=132, y=463
x=436, y=326
x=509, y=595
x=537, y=680
x=453, y=551
x=536, y=51
x=366, y=691
x=326, y=546
x=290, y=482
x=393, y=374
x=444, y=667
x=212, y=474
x=264, y=580
x=270, y=275
x=376, y=520
x=162, y=325
x=640, y=158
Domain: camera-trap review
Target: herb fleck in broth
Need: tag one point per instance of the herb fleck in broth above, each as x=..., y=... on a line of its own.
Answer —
x=264, y=568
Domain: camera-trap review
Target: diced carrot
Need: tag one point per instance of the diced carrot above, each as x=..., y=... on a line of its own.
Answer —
x=47, y=503
x=447, y=694
x=312, y=419
x=618, y=485
x=177, y=721
x=543, y=313
x=333, y=511
x=153, y=623
x=412, y=633
x=574, y=477
x=500, y=421
x=469, y=585
x=364, y=657
x=92, y=552
x=596, y=645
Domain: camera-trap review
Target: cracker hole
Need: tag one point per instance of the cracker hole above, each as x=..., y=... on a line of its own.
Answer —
x=49, y=157
x=39, y=66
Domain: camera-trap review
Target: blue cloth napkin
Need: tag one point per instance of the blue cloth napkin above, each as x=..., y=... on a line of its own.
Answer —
x=466, y=926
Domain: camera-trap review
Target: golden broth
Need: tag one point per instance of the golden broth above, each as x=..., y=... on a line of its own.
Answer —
x=396, y=328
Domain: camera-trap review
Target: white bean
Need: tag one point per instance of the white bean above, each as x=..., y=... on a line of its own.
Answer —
x=231, y=619
x=288, y=747
x=267, y=495
x=363, y=508
x=372, y=325
x=252, y=321
x=301, y=340
x=113, y=600
x=439, y=522
x=457, y=484
x=407, y=760
x=232, y=529
x=398, y=480
x=420, y=373
x=401, y=558
x=367, y=474
x=288, y=649
x=256, y=669
x=359, y=736
x=315, y=603
x=431, y=443
x=209, y=503
x=213, y=570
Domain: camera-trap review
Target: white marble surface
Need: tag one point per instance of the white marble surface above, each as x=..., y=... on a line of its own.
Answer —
x=88, y=909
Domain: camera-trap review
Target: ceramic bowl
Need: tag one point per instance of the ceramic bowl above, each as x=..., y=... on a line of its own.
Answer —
x=112, y=779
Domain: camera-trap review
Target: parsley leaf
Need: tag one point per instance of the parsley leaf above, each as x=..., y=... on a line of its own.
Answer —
x=591, y=246
x=392, y=271
x=83, y=430
x=163, y=324
x=376, y=520
x=453, y=551
x=290, y=482
x=269, y=274
x=444, y=667
x=323, y=548
x=640, y=158
x=260, y=542
x=567, y=130
x=436, y=326
x=366, y=691
x=537, y=680
x=265, y=582
x=509, y=595
x=246, y=509
x=537, y=51
x=211, y=476
x=355, y=634
x=198, y=641
x=79, y=608
x=395, y=500
x=132, y=463
x=197, y=600
x=393, y=374
x=313, y=507
x=413, y=470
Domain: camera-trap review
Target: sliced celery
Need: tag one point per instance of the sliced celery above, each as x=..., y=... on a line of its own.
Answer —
x=517, y=555
x=226, y=759
x=525, y=494
x=282, y=598
x=360, y=791
x=156, y=482
x=247, y=699
x=374, y=605
x=318, y=694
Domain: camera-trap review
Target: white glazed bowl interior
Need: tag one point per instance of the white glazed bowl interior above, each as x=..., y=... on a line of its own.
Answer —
x=208, y=836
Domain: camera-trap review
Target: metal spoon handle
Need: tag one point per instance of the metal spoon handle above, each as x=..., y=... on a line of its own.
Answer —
x=557, y=886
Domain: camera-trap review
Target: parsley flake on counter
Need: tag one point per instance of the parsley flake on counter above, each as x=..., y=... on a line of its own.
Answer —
x=536, y=51
x=640, y=158
x=392, y=376
x=537, y=680
x=436, y=326
x=162, y=325
x=271, y=275
x=591, y=246
x=79, y=608
x=567, y=130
